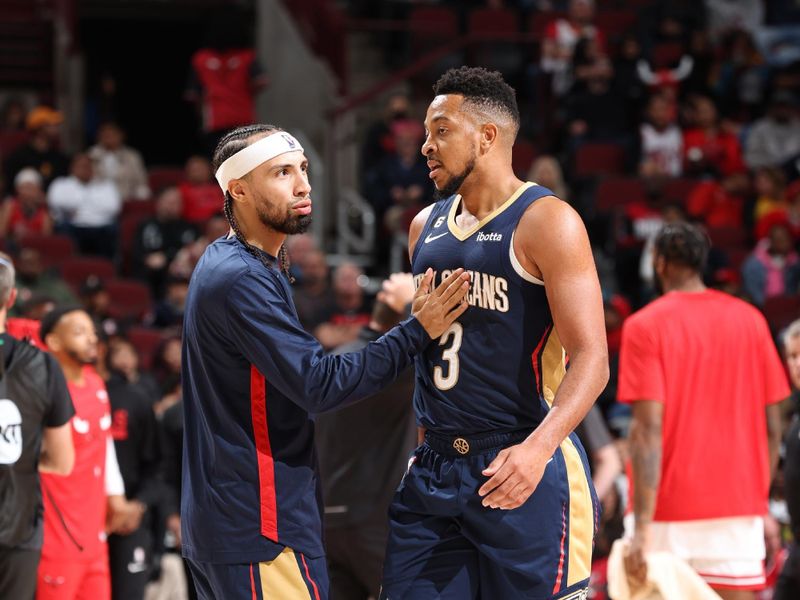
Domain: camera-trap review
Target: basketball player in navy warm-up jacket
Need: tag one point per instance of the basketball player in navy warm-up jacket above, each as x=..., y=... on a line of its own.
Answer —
x=497, y=502
x=250, y=506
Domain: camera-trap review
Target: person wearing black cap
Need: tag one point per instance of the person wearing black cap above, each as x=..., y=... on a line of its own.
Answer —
x=35, y=413
x=775, y=138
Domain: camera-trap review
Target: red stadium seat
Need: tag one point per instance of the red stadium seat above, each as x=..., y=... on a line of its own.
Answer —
x=76, y=270
x=593, y=159
x=667, y=54
x=538, y=22
x=676, y=191
x=10, y=141
x=129, y=299
x=127, y=233
x=619, y=191
x=54, y=249
x=522, y=159
x=727, y=237
x=781, y=311
x=493, y=20
x=614, y=23
x=142, y=208
x=146, y=341
x=161, y=177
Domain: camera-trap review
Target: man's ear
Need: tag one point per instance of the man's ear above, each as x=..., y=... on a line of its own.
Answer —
x=489, y=135
x=239, y=189
x=11, y=298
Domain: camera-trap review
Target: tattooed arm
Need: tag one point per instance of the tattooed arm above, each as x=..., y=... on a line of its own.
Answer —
x=645, y=449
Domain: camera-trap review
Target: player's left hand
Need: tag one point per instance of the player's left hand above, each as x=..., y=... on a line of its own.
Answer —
x=513, y=476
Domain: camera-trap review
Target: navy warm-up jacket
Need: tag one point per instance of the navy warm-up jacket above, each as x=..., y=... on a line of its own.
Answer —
x=251, y=377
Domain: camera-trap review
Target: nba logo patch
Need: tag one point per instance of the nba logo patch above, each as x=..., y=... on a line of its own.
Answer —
x=289, y=140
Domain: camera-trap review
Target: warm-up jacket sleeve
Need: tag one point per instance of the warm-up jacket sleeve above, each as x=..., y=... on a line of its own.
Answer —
x=265, y=328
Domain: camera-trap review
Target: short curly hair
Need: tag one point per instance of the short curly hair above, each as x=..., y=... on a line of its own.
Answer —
x=683, y=244
x=484, y=89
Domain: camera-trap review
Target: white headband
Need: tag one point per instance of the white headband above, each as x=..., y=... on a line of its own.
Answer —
x=247, y=159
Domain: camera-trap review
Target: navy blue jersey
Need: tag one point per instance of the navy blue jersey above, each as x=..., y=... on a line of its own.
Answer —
x=498, y=367
x=251, y=376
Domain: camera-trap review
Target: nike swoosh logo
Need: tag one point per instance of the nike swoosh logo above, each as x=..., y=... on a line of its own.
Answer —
x=431, y=237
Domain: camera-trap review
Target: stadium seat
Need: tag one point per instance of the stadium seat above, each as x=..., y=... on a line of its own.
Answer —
x=76, y=269
x=161, y=177
x=54, y=249
x=142, y=208
x=676, y=191
x=146, y=341
x=538, y=22
x=593, y=159
x=430, y=28
x=727, y=237
x=614, y=23
x=780, y=311
x=666, y=54
x=494, y=53
x=130, y=300
x=11, y=140
x=618, y=191
x=128, y=225
x=522, y=159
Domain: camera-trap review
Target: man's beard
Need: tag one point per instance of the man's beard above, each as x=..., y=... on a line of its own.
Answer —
x=81, y=360
x=454, y=183
x=286, y=223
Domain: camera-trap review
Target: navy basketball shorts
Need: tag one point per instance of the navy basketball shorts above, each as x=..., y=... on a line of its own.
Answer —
x=291, y=575
x=443, y=543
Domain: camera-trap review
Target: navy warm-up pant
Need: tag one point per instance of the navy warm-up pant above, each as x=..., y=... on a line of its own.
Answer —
x=443, y=543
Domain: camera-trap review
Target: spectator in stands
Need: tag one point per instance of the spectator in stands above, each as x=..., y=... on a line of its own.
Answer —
x=769, y=184
x=172, y=469
x=350, y=312
x=298, y=247
x=312, y=297
x=97, y=302
x=725, y=16
x=158, y=240
x=167, y=370
x=34, y=281
x=187, y=257
x=169, y=312
x=121, y=164
x=707, y=148
x=661, y=141
x=589, y=61
x=37, y=438
x=546, y=171
x=201, y=195
x=773, y=269
x=26, y=212
x=741, y=78
x=400, y=187
x=42, y=149
x=719, y=203
x=133, y=555
x=687, y=498
x=124, y=361
x=12, y=115
x=774, y=139
x=596, y=112
x=75, y=556
x=560, y=39
x=225, y=77
x=788, y=586
x=379, y=140
x=86, y=208
x=670, y=213
x=360, y=471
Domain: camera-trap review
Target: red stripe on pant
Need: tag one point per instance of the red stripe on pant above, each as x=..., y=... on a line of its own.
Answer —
x=266, y=467
x=557, y=586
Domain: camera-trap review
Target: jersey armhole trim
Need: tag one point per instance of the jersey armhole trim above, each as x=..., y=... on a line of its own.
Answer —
x=520, y=270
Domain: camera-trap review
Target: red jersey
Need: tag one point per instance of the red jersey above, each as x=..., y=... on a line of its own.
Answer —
x=710, y=359
x=22, y=223
x=201, y=201
x=722, y=150
x=227, y=81
x=80, y=498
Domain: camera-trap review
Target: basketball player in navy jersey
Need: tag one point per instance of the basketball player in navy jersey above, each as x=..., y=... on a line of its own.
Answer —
x=497, y=502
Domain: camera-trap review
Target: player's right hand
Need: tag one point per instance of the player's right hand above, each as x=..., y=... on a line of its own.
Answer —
x=436, y=310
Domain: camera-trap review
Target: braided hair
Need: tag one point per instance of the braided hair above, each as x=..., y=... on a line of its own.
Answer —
x=230, y=144
x=683, y=244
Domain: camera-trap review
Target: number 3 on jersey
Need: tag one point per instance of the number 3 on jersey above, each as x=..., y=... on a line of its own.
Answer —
x=449, y=355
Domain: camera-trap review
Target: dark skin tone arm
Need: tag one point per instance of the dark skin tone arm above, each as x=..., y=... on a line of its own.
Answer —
x=645, y=449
